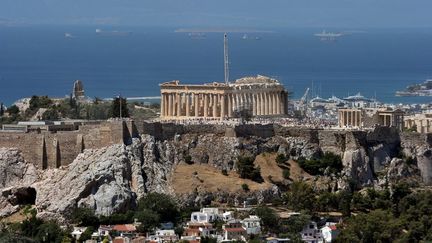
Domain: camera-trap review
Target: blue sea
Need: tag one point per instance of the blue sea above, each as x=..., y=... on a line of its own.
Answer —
x=39, y=60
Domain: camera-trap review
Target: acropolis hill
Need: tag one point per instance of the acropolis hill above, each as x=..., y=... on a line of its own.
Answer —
x=108, y=166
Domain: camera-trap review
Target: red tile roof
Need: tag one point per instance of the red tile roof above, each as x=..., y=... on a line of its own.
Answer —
x=124, y=227
x=235, y=229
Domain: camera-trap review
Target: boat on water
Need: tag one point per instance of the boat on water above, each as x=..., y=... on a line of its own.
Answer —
x=197, y=35
x=328, y=36
x=68, y=35
x=246, y=37
x=423, y=89
x=112, y=32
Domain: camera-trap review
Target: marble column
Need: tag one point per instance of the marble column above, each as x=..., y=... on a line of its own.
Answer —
x=170, y=104
x=223, y=106
x=187, y=96
x=206, y=104
x=254, y=102
x=266, y=104
x=229, y=108
x=278, y=103
x=196, y=106
x=214, y=104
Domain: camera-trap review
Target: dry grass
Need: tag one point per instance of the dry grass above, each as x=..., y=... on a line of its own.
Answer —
x=208, y=178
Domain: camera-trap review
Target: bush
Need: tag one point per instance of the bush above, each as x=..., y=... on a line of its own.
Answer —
x=161, y=204
x=224, y=172
x=318, y=166
x=247, y=170
x=245, y=187
x=13, y=110
x=188, y=159
x=281, y=159
x=84, y=217
x=286, y=173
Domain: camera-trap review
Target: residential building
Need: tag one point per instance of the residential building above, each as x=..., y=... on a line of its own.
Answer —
x=311, y=233
x=252, y=225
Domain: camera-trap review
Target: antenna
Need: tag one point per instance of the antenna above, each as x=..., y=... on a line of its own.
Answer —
x=226, y=61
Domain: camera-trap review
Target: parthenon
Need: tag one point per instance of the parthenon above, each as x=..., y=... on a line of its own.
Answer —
x=262, y=96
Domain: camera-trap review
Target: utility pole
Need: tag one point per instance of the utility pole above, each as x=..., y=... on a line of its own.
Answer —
x=226, y=60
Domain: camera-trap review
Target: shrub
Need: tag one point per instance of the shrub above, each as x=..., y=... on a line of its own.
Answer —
x=247, y=170
x=245, y=187
x=286, y=174
x=188, y=159
x=317, y=166
x=281, y=159
x=224, y=172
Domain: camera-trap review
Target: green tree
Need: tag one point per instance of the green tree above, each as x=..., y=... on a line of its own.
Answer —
x=119, y=105
x=162, y=204
x=268, y=217
x=84, y=217
x=149, y=220
x=50, y=115
x=300, y=196
x=13, y=110
x=376, y=226
x=86, y=235
x=247, y=170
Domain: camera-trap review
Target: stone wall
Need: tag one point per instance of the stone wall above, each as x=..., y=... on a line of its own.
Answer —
x=51, y=150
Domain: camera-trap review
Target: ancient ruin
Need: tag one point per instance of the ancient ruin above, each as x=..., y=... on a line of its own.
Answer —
x=260, y=95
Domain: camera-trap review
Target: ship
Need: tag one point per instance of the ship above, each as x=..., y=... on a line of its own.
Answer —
x=328, y=36
x=112, y=32
x=68, y=35
x=423, y=89
x=246, y=37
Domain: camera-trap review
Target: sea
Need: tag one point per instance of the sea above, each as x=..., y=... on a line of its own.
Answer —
x=41, y=60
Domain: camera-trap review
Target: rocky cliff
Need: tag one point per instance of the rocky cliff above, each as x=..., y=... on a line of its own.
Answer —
x=112, y=178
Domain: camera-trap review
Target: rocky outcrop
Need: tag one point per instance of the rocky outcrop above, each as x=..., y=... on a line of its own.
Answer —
x=111, y=179
x=99, y=179
x=15, y=177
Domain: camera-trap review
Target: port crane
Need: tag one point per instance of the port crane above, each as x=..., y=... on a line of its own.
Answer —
x=303, y=102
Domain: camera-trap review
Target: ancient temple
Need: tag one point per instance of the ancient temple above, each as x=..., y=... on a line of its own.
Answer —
x=261, y=96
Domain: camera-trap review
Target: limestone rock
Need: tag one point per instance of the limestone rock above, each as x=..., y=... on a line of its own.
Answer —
x=99, y=179
x=357, y=167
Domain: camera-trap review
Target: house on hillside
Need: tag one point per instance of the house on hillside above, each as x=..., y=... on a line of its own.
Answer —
x=311, y=233
x=329, y=232
x=252, y=225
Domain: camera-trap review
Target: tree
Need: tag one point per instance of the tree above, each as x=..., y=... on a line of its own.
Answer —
x=1, y=109
x=247, y=170
x=84, y=217
x=149, y=220
x=161, y=204
x=268, y=218
x=119, y=105
x=300, y=197
x=37, y=102
x=13, y=110
x=50, y=115
x=376, y=226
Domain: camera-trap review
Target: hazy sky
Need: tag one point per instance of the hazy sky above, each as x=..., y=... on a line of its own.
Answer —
x=214, y=13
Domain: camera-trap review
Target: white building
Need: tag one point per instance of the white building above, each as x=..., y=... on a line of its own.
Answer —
x=206, y=215
x=161, y=236
x=311, y=233
x=252, y=225
x=329, y=232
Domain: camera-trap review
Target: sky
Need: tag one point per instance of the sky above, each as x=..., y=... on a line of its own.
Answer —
x=219, y=13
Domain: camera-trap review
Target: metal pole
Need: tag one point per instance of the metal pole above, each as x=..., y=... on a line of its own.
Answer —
x=226, y=61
